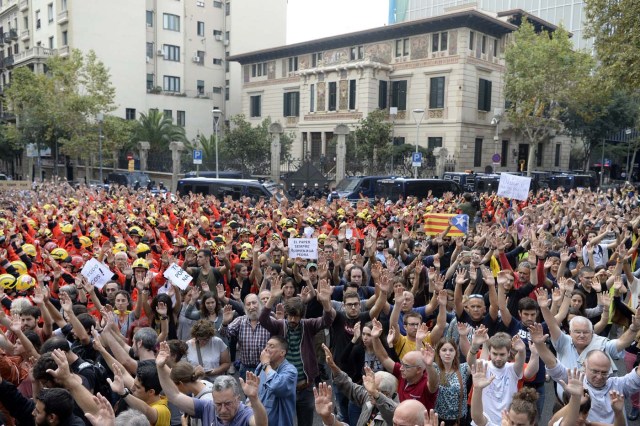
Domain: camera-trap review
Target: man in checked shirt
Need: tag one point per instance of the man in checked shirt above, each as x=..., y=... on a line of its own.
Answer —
x=252, y=337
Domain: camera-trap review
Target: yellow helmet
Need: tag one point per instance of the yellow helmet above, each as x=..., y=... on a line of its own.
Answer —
x=152, y=220
x=180, y=242
x=19, y=266
x=45, y=232
x=29, y=250
x=85, y=241
x=67, y=228
x=25, y=282
x=60, y=254
x=322, y=237
x=118, y=247
x=140, y=263
x=7, y=281
x=246, y=246
x=244, y=255
x=292, y=232
x=136, y=231
x=32, y=223
x=142, y=248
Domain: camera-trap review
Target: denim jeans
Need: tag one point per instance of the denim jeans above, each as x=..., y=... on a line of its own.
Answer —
x=305, y=407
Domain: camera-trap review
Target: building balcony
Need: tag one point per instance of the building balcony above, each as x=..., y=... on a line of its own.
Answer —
x=6, y=62
x=63, y=17
x=35, y=53
x=8, y=5
x=12, y=34
x=1, y=40
x=64, y=51
x=25, y=35
x=24, y=5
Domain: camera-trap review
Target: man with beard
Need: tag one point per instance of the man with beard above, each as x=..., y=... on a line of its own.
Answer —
x=497, y=396
x=252, y=337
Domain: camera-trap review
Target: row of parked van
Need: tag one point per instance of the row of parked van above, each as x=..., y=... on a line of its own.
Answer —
x=388, y=187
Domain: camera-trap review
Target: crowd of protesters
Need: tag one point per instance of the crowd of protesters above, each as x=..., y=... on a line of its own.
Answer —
x=385, y=326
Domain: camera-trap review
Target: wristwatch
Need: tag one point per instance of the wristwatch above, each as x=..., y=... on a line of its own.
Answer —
x=126, y=393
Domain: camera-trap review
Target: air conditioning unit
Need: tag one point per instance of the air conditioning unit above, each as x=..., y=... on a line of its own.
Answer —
x=160, y=52
x=219, y=37
x=226, y=42
x=196, y=59
x=148, y=59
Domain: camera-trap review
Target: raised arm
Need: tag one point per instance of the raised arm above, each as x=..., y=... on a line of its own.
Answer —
x=480, y=336
x=543, y=302
x=180, y=400
x=378, y=349
x=521, y=354
x=480, y=381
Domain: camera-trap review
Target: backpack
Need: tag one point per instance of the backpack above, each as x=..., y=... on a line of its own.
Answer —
x=101, y=374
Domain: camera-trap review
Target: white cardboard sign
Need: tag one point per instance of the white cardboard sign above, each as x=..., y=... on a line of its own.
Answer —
x=96, y=273
x=178, y=276
x=512, y=186
x=305, y=248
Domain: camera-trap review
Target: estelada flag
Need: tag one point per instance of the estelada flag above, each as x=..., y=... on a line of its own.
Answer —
x=435, y=223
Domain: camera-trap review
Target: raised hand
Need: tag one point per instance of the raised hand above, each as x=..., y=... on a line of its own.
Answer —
x=463, y=329
x=227, y=314
x=517, y=344
x=574, y=385
x=369, y=381
x=537, y=335
x=164, y=353
x=117, y=384
x=542, y=297
x=376, y=331
x=480, y=336
x=356, y=331
x=617, y=401
x=280, y=311
x=391, y=336
x=422, y=332
x=105, y=416
x=324, y=291
x=431, y=418
x=329, y=357
x=63, y=372
x=479, y=372
x=250, y=385
x=428, y=354
x=323, y=400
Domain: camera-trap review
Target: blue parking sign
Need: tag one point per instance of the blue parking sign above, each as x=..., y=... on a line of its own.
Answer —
x=197, y=156
x=416, y=159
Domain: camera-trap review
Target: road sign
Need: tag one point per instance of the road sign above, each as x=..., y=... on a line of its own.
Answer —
x=197, y=156
x=496, y=158
x=416, y=159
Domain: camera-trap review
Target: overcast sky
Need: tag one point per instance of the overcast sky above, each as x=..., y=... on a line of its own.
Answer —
x=312, y=19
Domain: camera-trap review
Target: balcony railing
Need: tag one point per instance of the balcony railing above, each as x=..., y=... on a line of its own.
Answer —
x=63, y=17
x=24, y=5
x=64, y=51
x=37, y=52
x=25, y=35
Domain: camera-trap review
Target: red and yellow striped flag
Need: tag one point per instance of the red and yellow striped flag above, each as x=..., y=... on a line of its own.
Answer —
x=435, y=223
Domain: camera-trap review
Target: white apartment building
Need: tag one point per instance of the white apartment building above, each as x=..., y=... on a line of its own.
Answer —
x=451, y=66
x=570, y=13
x=164, y=54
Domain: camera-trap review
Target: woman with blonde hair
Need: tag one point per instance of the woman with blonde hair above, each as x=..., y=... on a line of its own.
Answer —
x=189, y=381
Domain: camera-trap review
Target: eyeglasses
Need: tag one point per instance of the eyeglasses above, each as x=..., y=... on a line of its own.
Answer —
x=226, y=404
x=580, y=332
x=352, y=305
x=407, y=366
x=412, y=324
x=604, y=374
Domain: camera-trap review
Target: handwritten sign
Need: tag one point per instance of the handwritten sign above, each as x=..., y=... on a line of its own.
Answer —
x=305, y=248
x=96, y=273
x=178, y=276
x=512, y=186
x=17, y=185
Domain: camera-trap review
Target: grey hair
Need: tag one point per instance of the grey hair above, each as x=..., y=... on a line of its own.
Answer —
x=578, y=319
x=131, y=417
x=388, y=383
x=19, y=304
x=222, y=383
x=148, y=336
x=71, y=290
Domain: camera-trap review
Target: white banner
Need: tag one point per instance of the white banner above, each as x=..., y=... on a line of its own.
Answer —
x=305, y=248
x=178, y=276
x=96, y=273
x=512, y=186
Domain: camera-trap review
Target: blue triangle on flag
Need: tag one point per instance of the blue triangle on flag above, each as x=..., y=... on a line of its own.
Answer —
x=460, y=221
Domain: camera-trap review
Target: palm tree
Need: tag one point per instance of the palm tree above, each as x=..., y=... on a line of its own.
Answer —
x=159, y=130
x=208, y=147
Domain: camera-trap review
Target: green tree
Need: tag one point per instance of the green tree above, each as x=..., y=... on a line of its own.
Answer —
x=248, y=149
x=159, y=130
x=614, y=24
x=542, y=73
x=60, y=107
x=373, y=141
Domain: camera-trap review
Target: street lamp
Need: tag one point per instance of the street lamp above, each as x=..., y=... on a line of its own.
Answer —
x=393, y=113
x=495, y=121
x=100, y=118
x=627, y=133
x=418, y=115
x=216, y=120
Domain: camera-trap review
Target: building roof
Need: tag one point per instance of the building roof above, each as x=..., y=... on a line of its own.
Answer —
x=472, y=18
x=514, y=16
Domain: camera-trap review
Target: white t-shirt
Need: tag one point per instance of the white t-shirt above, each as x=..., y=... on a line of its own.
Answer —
x=498, y=395
x=210, y=352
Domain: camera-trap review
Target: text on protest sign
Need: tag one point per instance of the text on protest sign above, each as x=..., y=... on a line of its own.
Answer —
x=512, y=186
x=178, y=276
x=305, y=248
x=96, y=273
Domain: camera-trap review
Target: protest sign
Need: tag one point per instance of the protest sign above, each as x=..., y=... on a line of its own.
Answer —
x=512, y=186
x=96, y=273
x=178, y=276
x=305, y=248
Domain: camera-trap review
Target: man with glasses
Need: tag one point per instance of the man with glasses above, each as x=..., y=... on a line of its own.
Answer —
x=598, y=380
x=572, y=349
x=226, y=409
x=411, y=372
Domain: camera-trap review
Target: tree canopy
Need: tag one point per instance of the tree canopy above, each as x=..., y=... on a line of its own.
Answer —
x=614, y=24
x=159, y=130
x=542, y=74
x=61, y=105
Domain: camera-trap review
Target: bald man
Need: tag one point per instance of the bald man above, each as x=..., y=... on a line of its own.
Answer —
x=409, y=413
